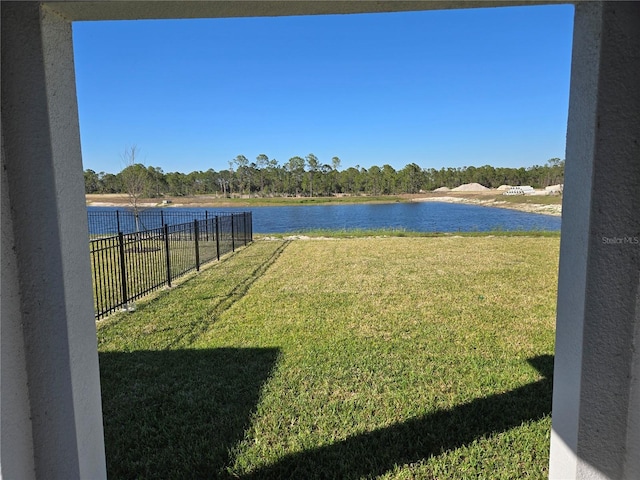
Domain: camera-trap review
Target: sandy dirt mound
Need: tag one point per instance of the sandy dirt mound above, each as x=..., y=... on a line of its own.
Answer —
x=470, y=187
x=442, y=189
x=503, y=187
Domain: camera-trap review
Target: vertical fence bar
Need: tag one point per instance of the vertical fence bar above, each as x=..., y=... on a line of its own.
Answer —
x=206, y=221
x=244, y=228
x=217, y=238
x=118, y=221
x=248, y=225
x=110, y=258
x=161, y=218
x=123, y=271
x=196, y=244
x=233, y=236
x=168, y=256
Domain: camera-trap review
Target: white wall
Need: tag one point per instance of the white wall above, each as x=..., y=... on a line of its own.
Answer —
x=16, y=451
x=49, y=354
x=595, y=409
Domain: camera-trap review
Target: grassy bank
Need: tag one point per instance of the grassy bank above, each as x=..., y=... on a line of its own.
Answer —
x=344, y=358
x=367, y=233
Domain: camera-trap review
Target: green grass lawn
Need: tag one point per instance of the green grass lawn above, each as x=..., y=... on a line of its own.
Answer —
x=341, y=358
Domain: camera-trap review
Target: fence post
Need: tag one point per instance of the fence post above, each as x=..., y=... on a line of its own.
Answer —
x=196, y=235
x=233, y=235
x=244, y=228
x=217, y=238
x=166, y=246
x=251, y=226
x=206, y=222
x=123, y=272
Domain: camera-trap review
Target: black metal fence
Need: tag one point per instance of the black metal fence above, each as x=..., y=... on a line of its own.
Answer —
x=111, y=222
x=128, y=266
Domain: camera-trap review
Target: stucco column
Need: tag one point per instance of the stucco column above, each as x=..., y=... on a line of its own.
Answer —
x=51, y=410
x=596, y=404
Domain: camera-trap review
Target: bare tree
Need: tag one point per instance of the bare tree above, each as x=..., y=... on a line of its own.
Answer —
x=135, y=180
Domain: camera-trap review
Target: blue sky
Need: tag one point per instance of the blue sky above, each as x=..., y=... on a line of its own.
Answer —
x=439, y=88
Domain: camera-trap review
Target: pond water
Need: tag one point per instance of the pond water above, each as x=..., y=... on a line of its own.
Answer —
x=418, y=216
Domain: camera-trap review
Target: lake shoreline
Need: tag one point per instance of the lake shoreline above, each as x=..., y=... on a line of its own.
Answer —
x=544, y=209
x=485, y=199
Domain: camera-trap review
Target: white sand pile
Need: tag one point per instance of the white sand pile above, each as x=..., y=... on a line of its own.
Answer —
x=504, y=187
x=442, y=189
x=470, y=187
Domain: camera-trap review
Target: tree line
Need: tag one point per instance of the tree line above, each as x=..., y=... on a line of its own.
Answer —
x=309, y=177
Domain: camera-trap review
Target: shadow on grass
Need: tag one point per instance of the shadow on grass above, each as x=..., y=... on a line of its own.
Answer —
x=176, y=414
x=377, y=452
